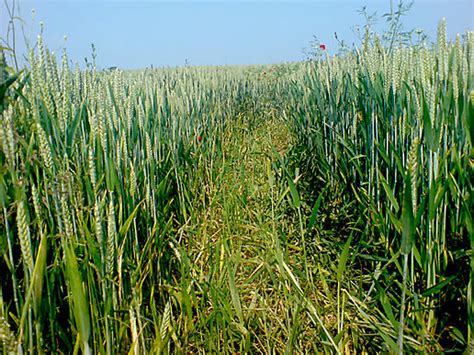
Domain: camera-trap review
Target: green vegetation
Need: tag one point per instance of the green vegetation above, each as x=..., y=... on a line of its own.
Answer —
x=311, y=207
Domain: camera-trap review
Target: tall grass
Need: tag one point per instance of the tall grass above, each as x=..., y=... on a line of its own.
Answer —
x=98, y=169
x=391, y=133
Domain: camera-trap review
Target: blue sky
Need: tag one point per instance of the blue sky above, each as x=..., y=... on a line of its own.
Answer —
x=136, y=34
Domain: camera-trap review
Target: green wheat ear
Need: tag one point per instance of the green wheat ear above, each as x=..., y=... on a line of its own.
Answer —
x=413, y=168
x=111, y=233
x=9, y=144
x=7, y=337
x=133, y=180
x=24, y=236
x=166, y=321
x=44, y=148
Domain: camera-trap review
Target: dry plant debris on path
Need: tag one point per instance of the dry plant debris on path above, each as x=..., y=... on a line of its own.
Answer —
x=240, y=231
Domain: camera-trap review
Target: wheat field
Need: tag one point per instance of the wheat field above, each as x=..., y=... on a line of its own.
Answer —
x=321, y=206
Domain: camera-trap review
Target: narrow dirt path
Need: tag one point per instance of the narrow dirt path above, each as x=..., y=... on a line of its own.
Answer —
x=243, y=292
x=247, y=198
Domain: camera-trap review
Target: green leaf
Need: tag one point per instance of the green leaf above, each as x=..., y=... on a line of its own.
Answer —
x=39, y=270
x=339, y=336
x=456, y=334
x=72, y=126
x=234, y=293
x=6, y=84
x=78, y=298
x=389, y=341
x=294, y=193
x=125, y=227
x=314, y=213
x=387, y=308
x=343, y=259
x=436, y=288
x=389, y=192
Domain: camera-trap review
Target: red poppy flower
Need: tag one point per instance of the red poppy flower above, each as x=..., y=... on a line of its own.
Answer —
x=322, y=46
x=199, y=138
